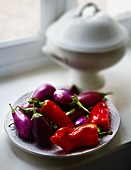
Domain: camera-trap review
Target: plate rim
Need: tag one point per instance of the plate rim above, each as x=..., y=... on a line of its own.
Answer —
x=65, y=155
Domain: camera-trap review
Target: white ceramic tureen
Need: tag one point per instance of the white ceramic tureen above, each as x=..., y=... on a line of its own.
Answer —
x=86, y=41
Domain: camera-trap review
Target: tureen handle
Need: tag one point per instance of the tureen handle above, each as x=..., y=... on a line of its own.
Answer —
x=88, y=5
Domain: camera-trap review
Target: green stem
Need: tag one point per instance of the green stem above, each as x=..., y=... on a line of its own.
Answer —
x=36, y=102
x=100, y=132
x=36, y=115
x=34, y=110
x=25, y=110
x=104, y=133
x=12, y=109
x=76, y=101
x=105, y=94
x=70, y=112
x=11, y=124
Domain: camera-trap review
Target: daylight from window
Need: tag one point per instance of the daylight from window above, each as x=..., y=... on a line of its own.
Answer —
x=22, y=18
x=112, y=7
x=18, y=18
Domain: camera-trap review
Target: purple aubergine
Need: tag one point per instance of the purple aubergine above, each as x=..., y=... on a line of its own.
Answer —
x=90, y=99
x=63, y=96
x=75, y=113
x=28, y=109
x=26, y=105
x=22, y=123
x=74, y=89
x=82, y=120
x=42, y=130
x=44, y=92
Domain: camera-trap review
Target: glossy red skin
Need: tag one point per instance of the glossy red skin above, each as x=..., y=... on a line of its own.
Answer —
x=55, y=114
x=69, y=139
x=99, y=115
x=44, y=92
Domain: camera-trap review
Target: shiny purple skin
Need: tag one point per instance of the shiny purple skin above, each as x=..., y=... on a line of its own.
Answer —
x=75, y=114
x=90, y=99
x=74, y=89
x=26, y=105
x=42, y=131
x=44, y=92
x=27, y=109
x=63, y=96
x=81, y=120
x=22, y=124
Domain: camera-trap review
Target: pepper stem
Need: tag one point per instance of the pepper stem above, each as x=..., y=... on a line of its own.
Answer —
x=76, y=101
x=104, y=133
x=105, y=94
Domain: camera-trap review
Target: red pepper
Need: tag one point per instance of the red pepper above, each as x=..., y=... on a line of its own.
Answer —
x=69, y=139
x=55, y=114
x=99, y=115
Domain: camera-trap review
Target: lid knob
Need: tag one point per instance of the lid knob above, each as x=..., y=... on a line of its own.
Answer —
x=90, y=30
x=96, y=9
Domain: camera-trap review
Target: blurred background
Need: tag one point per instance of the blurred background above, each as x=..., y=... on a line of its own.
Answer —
x=18, y=18
x=22, y=18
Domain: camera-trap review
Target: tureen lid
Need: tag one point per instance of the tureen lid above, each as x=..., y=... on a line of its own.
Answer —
x=87, y=30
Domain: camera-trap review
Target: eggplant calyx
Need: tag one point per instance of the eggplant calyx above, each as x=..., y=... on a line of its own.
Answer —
x=25, y=110
x=77, y=102
x=12, y=109
x=36, y=115
x=70, y=112
x=36, y=102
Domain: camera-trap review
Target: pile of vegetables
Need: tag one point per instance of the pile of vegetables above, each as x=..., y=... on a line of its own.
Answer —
x=65, y=117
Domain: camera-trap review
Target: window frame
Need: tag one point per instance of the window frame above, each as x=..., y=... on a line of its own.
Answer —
x=25, y=53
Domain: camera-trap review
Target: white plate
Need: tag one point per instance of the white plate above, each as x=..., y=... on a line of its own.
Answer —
x=55, y=151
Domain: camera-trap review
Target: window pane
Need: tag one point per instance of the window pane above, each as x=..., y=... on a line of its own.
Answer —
x=19, y=18
x=100, y=3
x=113, y=7
x=118, y=7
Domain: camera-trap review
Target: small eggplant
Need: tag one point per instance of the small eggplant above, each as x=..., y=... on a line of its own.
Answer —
x=75, y=113
x=90, y=99
x=74, y=89
x=22, y=124
x=26, y=105
x=44, y=92
x=27, y=109
x=42, y=130
x=65, y=97
x=82, y=120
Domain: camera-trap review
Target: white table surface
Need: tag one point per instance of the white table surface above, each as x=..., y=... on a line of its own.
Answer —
x=117, y=80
